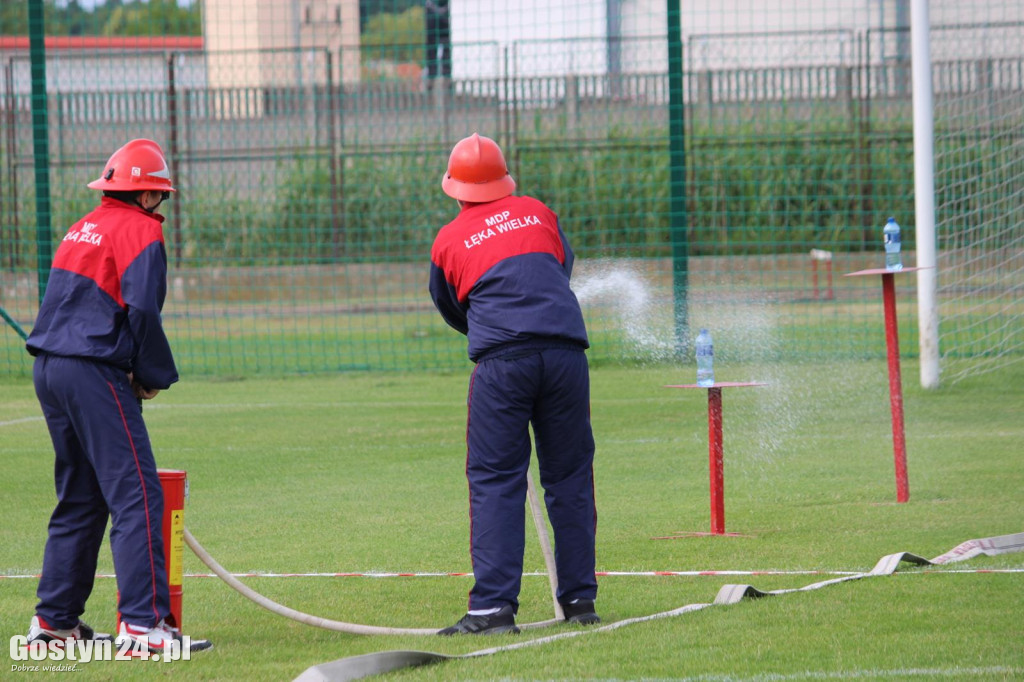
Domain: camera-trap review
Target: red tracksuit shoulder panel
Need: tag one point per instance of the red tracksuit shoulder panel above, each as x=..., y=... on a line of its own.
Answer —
x=484, y=234
x=106, y=241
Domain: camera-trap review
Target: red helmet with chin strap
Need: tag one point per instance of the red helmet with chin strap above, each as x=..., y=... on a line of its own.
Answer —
x=137, y=166
x=477, y=171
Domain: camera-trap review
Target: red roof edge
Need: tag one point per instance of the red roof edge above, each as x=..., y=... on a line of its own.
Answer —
x=106, y=42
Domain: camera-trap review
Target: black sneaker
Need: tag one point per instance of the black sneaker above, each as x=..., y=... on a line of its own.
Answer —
x=580, y=612
x=494, y=624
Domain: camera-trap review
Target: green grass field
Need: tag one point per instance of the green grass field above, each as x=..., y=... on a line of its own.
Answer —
x=364, y=472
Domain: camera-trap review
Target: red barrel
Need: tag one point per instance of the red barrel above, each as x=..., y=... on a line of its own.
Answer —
x=175, y=486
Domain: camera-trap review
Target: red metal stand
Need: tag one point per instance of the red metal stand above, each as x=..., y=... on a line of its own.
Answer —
x=892, y=344
x=716, y=465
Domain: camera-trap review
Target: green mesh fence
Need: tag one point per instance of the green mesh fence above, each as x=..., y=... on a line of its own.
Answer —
x=725, y=173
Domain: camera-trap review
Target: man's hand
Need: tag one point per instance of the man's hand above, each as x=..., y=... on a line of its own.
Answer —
x=143, y=393
x=140, y=391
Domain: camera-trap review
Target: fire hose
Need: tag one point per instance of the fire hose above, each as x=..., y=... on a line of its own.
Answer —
x=357, y=667
x=358, y=629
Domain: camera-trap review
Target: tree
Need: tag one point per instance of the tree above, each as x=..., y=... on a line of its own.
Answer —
x=111, y=18
x=14, y=18
x=371, y=8
x=156, y=17
x=394, y=37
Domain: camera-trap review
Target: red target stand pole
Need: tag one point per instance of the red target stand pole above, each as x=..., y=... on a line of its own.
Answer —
x=716, y=452
x=892, y=345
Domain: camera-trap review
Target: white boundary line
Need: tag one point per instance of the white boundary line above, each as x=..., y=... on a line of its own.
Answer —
x=876, y=673
x=335, y=404
x=600, y=574
x=23, y=420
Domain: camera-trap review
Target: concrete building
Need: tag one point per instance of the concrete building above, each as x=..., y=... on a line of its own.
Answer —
x=102, y=63
x=273, y=43
x=589, y=37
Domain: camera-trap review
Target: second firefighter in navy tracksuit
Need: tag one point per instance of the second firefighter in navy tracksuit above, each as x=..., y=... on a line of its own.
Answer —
x=100, y=348
x=500, y=275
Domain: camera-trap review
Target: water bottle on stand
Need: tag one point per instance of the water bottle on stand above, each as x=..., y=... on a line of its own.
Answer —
x=705, y=359
x=891, y=233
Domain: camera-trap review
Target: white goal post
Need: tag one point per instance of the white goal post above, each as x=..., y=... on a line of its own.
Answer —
x=924, y=194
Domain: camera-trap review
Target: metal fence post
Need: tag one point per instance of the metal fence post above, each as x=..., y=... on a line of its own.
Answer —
x=174, y=153
x=677, y=189
x=40, y=144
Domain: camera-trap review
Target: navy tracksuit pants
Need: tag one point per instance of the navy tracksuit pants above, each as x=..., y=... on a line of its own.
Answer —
x=104, y=466
x=549, y=389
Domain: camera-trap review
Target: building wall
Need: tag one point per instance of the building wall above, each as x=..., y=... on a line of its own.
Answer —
x=717, y=34
x=535, y=38
x=280, y=42
x=544, y=37
x=103, y=64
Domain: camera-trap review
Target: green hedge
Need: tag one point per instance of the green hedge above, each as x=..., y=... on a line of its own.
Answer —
x=746, y=194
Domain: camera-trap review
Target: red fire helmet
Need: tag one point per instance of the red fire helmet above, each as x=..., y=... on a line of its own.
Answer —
x=138, y=165
x=477, y=171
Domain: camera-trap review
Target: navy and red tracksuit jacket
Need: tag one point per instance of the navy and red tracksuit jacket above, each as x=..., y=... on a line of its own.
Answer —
x=105, y=294
x=500, y=275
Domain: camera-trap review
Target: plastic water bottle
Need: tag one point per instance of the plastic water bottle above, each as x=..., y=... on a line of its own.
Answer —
x=891, y=232
x=705, y=359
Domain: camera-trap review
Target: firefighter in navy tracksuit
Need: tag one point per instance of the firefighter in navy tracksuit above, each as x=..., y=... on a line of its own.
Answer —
x=500, y=275
x=100, y=349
